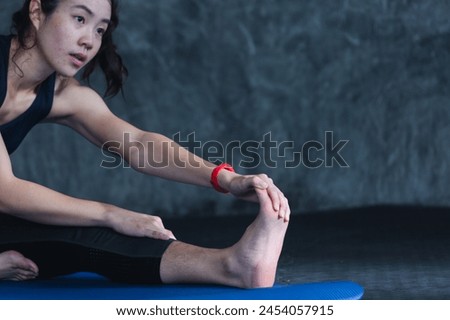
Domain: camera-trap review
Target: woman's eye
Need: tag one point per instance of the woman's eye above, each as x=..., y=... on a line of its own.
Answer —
x=101, y=31
x=79, y=19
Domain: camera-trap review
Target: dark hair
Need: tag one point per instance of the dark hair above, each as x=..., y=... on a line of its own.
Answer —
x=107, y=57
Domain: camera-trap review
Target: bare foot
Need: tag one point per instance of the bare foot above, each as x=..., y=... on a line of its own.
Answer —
x=14, y=266
x=250, y=263
x=254, y=259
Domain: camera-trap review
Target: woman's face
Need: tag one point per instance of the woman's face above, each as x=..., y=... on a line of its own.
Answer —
x=72, y=35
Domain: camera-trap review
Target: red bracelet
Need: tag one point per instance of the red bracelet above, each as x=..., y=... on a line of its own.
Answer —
x=215, y=174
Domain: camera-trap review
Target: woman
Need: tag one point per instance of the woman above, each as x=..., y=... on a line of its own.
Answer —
x=47, y=233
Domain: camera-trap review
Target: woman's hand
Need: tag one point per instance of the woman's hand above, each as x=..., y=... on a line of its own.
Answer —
x=243, y=187
x=137, y=224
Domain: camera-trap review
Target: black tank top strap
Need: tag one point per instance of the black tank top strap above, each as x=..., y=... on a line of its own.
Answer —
x=15, y=131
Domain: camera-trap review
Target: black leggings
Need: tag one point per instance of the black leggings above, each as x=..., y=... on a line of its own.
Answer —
x=63, y=250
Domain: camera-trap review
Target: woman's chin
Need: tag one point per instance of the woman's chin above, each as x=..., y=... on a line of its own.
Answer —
x=67, y=73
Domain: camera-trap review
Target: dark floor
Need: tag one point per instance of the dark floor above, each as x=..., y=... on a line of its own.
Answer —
x=393, y=252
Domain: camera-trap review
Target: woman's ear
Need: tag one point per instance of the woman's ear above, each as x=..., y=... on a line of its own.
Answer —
x=35, y=13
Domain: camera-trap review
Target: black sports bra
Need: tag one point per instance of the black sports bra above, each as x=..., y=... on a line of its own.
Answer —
x=14, y=132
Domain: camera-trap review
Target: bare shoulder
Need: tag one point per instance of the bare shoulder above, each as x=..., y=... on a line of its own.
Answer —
x=72, y=99
x=82, y=109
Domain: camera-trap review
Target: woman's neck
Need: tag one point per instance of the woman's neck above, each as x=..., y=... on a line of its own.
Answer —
x=27, y=68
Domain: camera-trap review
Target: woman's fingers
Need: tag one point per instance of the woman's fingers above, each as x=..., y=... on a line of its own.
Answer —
x=286, y=210
x=157, y=230
x=279, y=202
x=140, y=225
x=163, y=235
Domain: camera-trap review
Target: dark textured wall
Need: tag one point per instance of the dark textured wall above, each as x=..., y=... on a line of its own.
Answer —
x=375, y=73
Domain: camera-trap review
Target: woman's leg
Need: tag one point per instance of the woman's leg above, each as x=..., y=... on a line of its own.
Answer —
x=250, y=263
x=64, y=250
x=57, y=258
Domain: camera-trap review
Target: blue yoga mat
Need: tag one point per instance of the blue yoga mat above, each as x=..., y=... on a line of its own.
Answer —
x=89, y=286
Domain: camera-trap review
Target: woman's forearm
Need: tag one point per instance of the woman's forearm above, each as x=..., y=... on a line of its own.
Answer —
x=39, y=204
x=160, y=156
x=33, y=202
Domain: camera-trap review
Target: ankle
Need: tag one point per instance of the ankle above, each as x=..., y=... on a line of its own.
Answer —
x=233, y=270
x=247, y=273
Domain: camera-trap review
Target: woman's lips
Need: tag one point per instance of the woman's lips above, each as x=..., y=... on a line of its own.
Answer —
x=78, y=59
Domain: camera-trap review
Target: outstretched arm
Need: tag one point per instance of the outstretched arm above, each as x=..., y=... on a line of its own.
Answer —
x=33, y=202
x=152, y=153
